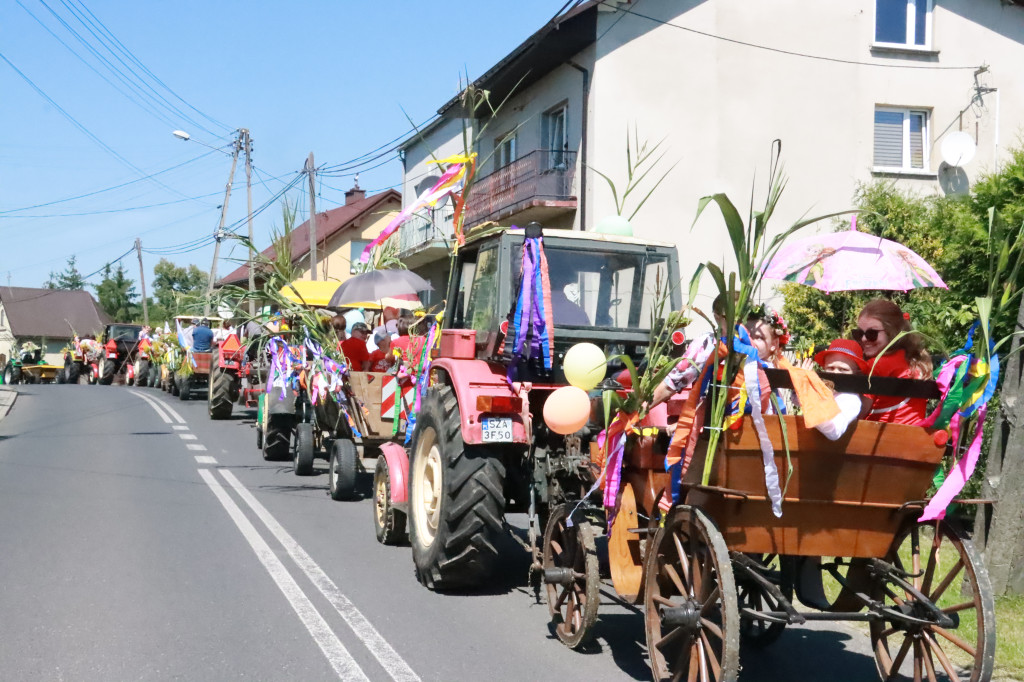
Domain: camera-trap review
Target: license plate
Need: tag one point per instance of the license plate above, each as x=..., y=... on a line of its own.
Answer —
x=112, y=355
x=497, y=429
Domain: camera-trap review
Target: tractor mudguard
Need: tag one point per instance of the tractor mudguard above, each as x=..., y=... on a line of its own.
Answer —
x=276, y=405
x=474, y=378
x=230, y=354
x=398, y=469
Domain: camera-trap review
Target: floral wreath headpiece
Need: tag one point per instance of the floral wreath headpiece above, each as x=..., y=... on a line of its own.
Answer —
x=775, y=321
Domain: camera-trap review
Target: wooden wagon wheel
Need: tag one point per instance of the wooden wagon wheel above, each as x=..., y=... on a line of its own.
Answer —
x=571, y=571
x=755, y=597
x=691, y=603
x=944, y=566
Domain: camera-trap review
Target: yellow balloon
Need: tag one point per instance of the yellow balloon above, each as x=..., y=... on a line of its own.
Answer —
x=567, y=410
x=584, y=366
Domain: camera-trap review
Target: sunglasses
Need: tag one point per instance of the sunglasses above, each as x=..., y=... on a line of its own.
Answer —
x=871, y=335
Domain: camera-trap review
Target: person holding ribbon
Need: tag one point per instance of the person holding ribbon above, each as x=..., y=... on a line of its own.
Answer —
x=879, y=323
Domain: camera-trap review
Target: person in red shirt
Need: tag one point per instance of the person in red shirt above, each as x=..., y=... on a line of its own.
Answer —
x=410, y=347
x=382, y=358
x=354, y=347
x=878, y=324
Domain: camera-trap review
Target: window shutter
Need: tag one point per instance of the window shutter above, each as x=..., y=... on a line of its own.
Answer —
x=889, y=139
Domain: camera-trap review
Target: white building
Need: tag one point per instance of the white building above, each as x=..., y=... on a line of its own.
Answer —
x=856, y=90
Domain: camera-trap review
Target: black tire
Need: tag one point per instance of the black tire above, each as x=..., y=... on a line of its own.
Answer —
x=388, y=522
x=154, y=375
x=142, y=375
x=30, y=377
x=71, y=372
x=341, y=471
x=572, y=604
x=278, y=437
x=221, y=386
x=61, y=376
x=304, y=453
x=185, y=388
x=107, y=374
x=453, y=544
x=259, y=437
x=9, y=375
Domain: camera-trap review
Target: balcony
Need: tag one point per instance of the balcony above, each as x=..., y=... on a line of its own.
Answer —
x=536, y=186
x=424, y=236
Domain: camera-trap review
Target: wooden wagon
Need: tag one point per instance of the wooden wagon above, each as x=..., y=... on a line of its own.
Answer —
x=720, y=567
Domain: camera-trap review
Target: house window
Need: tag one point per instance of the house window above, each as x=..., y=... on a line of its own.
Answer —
x=903, y=22
x=358, y=245
x=504, y=150
x=900, y=139
x=554, y=136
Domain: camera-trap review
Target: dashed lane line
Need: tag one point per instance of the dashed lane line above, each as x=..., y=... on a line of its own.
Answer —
x=206, y=459
x=195, y=446
x=156, y=406
x=180, y=427
x=337, y=655
x=187, y=436
x=389, y=659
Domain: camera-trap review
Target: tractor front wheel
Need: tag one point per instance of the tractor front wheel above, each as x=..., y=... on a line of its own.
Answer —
x=107, y=374
x=304, y=450
x=342, y=469
x=388, y=522
x=277, y=437
x=456, y=498
x=142, y=374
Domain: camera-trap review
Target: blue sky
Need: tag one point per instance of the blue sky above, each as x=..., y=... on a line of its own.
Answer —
x=306, y=75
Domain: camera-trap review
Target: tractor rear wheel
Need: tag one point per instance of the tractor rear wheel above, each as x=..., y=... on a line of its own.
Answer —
x=341, y=472
x=221, y=385
x=154, y=375
x=304, y=450
x=185, y=388
x=71, y=372
x=107, y=375
x=277, y=438
x=456, y=498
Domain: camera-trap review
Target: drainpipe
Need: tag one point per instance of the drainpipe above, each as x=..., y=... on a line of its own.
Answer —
x=584, y=121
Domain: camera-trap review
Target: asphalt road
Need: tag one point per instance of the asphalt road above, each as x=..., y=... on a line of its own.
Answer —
x=141, y=541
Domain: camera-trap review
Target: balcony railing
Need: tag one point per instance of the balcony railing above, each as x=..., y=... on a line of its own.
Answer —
x=426, y=228
x=543, y=175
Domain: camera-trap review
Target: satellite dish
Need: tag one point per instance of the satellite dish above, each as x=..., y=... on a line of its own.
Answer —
x=958, y=149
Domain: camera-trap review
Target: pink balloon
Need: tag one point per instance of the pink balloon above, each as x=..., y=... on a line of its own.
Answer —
x=567, y=410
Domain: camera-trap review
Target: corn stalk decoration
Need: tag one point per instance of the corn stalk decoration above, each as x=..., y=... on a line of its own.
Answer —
x=753, y=249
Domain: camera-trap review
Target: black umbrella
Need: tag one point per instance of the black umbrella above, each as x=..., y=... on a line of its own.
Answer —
x=378, y=284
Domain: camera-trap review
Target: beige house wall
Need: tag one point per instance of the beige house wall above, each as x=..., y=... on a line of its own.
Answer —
x=334, y=255
x=719, y=105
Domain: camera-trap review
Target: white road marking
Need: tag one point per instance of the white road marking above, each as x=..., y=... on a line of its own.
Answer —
x=156, y=408
x=195, y=446
x=174, y=414
x=206, y=459
x=337, y=655
x=391, y=661
x=180, y=427
x=187, y=436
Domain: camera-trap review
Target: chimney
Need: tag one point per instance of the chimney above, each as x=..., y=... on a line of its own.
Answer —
x=355, y=194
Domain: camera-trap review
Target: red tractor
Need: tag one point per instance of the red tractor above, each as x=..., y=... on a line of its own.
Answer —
x=226, y=378
x=480, y=448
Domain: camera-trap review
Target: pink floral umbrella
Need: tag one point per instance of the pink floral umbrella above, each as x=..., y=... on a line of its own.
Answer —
x=848, y=260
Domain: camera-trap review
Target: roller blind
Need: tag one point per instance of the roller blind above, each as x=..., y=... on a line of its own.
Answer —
x=889, y=139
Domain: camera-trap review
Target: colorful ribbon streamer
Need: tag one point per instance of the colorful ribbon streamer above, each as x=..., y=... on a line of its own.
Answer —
x=533, y=315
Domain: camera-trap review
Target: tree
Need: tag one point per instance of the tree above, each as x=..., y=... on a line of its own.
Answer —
x=71, y=279
x=172, y=284
x=117, y=294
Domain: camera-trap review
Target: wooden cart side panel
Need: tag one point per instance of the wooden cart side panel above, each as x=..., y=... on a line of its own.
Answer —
x=366, y=386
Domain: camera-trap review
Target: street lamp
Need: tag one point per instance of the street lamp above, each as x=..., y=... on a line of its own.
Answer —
x=182, y=135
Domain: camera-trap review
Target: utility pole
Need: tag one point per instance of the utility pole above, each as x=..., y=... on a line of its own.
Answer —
x=142, y=281
x=311, y=172
x=219, y=234
x=247, y=142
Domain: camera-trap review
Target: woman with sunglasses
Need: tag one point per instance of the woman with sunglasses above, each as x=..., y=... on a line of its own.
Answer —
x=878, y=324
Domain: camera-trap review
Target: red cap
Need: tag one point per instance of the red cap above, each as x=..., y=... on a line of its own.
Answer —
x=847, y=347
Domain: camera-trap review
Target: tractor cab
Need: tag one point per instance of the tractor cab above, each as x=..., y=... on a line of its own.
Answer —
x=604, y=290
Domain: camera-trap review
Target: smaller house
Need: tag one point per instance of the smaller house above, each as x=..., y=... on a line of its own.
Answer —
x=341, y=235
x=46, y=317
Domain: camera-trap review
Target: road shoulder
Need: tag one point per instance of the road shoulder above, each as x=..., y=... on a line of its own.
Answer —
x=7, y=396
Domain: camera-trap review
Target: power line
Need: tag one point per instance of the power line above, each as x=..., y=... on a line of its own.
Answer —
x=356, y=160
x=360, y=170
x=107, y=189
x=117, y=210
x=135, y=59
x=81, y=127
x=791, y=53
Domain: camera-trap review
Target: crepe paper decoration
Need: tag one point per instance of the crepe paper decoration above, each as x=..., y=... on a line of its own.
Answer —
x=971, y=402
x=614, y=448
x=533, y=316
x=451, y=182
x=819, y=405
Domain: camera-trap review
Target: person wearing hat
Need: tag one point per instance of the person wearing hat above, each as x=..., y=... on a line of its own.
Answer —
x=354, y=347
x=382, y=358
x=843, y=356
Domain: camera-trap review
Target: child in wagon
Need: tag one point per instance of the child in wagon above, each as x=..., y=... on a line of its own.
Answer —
x=843, y=356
